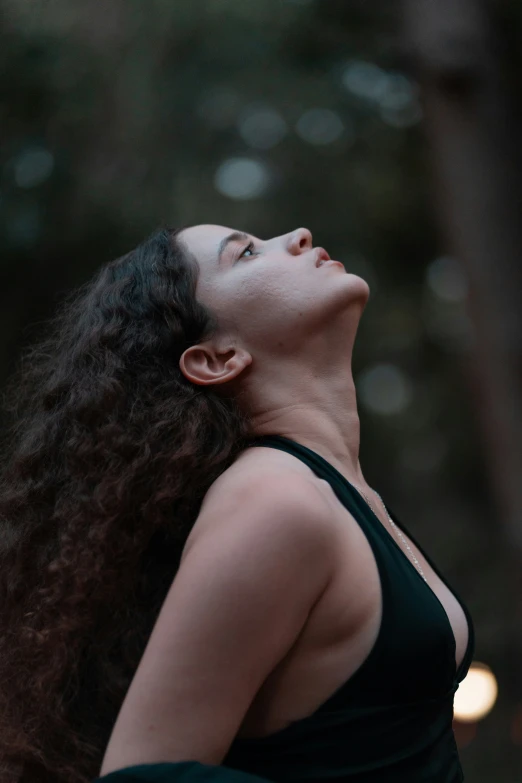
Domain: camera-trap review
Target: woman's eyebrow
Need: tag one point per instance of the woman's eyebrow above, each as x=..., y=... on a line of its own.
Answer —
x=236, y=236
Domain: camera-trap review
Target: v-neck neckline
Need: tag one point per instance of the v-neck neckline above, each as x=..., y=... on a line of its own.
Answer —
x=359, y=498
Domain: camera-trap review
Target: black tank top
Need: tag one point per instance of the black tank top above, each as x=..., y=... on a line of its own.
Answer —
x=391, y=722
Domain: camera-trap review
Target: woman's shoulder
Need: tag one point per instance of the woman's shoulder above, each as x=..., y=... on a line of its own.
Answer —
x=262, y=471
x=260, y=475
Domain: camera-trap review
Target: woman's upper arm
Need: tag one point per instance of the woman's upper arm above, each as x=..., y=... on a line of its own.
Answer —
x=239, y=601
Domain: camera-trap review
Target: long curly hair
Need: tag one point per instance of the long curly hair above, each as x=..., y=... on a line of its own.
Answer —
x=103, y=471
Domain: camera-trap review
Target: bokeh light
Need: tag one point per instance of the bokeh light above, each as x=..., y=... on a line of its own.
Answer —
x=394, y=93
x=262, y=127
x=446, y=278
x=242, y=178
x=476, y=694
x=320, y=126
x=444, y=312
x=365, y=79
x=32, y=167
x=384, y=389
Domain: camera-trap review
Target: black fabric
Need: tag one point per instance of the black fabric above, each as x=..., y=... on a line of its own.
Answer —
x=178, y=772
x=391, y=722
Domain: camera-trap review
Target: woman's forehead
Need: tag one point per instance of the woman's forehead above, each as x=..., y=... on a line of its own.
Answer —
x=204, y=240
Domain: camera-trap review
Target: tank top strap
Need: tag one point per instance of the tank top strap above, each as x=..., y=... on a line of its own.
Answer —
x=346, y=492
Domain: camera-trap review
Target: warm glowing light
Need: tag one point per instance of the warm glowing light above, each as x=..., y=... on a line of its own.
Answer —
x=476, y=695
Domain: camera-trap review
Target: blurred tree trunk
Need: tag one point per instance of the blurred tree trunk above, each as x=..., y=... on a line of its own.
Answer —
x=474, y=139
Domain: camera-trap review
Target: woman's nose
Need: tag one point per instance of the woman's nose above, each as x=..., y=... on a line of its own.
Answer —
x=299, y=241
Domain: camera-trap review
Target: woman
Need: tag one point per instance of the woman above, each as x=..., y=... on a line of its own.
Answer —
x=193, y=414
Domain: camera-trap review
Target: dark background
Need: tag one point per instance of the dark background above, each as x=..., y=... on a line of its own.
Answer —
x=392, y=131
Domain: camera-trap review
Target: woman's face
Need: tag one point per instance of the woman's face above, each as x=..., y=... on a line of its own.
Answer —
x=270, y=295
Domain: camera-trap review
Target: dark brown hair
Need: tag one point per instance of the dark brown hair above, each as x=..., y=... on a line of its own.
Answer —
x=103, y=472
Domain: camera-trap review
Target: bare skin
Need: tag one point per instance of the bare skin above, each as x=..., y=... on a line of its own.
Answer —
x=285, y=347
x=285, y=350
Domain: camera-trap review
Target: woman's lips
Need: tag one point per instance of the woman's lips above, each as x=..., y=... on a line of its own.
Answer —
x=321, y=255
x=331, y=263
x=322, y=258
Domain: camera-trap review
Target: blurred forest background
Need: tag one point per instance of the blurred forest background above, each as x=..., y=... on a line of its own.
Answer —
x=392, y=131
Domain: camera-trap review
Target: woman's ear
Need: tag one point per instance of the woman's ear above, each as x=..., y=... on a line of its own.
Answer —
x=205, y=365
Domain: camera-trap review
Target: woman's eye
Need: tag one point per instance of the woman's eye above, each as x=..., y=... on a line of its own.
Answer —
x=248, y=249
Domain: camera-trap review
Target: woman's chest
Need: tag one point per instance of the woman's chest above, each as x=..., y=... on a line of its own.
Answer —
x=365, y=607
